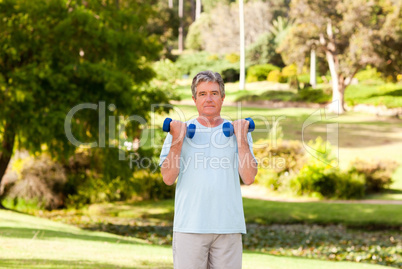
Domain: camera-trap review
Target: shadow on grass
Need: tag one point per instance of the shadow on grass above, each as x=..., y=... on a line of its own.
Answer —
x=62, y=264
x=159, y=235
x=350, y=135
x=44, y=234
x=352, y=215
x=395, y=93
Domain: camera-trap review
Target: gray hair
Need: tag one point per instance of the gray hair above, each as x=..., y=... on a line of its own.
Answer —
x=207, y=76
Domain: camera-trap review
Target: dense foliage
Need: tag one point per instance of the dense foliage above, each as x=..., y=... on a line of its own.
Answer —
x=191, y=64
x=351, y=34
x=288, y=168
x=57, y=54
x=259, y=72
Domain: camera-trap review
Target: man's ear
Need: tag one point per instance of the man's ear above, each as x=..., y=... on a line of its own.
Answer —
x=223, y=98
x=193, y=98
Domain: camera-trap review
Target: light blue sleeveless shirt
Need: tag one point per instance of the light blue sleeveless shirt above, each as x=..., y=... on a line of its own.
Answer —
x=208, y=196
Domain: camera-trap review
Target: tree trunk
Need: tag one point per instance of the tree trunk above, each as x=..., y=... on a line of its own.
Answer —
x=181, y=27
x=170, y=4
x=341, y=94
x=338, y=82
x=198, y=7
x=193, y=15
x=313, y=80
x=6, y=151
x=338, y=86
x=242, y=47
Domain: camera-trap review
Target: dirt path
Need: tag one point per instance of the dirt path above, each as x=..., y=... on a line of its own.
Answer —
x=257, y=192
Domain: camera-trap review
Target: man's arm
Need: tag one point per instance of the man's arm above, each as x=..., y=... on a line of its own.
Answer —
x=247, y=164
x=171, y=165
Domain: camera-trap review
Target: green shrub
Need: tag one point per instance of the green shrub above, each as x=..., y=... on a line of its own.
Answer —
x=321, y=177
x=289, y=71
x=232, y=58
x=350, y=186
x=230, y=75
x=268, y=178
x=260, y=72
x=97, y=175
x=285, y=166
x=281, y=156
x=369, y=74
x=278, y=161
x=41, y=181
x=275, y=76
x=263, y=51
x=191, y=64
x=377, y=174
x=194, y=36
x=315, y=179
x=311, y=95
x=166, y=71
x=304, y=78
x=186, y=63
x=321, y=180
x=22, y=205
x=273, y=181
x=150, y=185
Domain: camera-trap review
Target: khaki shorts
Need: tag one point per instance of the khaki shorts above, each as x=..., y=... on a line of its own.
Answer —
x=207, y=251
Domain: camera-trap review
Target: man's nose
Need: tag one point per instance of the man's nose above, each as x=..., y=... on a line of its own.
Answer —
x=209, y=97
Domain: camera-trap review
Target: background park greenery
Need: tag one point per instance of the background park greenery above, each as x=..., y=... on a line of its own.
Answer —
x=341, y=203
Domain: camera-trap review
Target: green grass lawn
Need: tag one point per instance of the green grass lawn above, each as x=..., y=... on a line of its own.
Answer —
x=232, y=90
x=389, y=95
x=360, y=215
x=31, y=242
x=256, y=211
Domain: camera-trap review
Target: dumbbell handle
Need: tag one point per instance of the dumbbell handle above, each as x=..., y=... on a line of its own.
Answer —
x=190, y=128
x=228, y=129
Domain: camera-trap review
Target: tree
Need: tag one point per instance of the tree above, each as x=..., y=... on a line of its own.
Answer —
x=242, y=81
x=264, y=50
x=164, y=25
x=344, y=30
x=219, y=29
x=181, y=27
x=198, y=7
x=389, y=41
x=57, y=54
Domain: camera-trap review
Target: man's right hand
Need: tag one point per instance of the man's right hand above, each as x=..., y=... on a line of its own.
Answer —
x=178, y=131
x=171, y=165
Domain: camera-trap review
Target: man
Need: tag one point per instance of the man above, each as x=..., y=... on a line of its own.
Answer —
x=209, y=218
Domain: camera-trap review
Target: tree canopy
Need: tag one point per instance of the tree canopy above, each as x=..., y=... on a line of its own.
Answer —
x=57, y=54
x=347, y=32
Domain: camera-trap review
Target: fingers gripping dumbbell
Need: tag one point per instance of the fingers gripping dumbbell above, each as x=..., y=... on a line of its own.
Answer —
x=190, y=128
x=228, y=129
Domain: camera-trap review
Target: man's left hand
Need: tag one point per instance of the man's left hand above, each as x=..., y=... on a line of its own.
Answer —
x=241, y=129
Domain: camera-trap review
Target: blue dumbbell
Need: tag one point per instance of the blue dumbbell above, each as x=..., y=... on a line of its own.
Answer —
x=190, y=128
x=228, y=127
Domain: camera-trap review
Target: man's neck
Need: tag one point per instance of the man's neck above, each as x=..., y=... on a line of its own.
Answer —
x=210, y=121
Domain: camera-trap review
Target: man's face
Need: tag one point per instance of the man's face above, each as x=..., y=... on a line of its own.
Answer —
x=209, y=100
